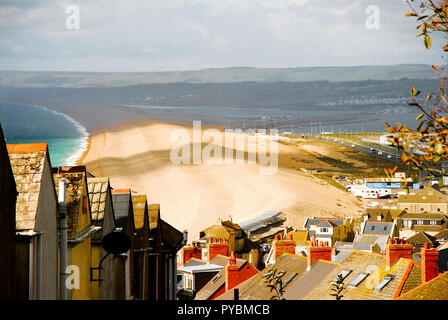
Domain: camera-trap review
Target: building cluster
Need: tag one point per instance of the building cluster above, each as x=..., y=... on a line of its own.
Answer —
x=396, y=252
x=113, y=243
x=67, y=234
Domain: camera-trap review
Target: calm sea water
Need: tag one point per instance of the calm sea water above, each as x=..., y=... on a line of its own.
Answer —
x=66, y=138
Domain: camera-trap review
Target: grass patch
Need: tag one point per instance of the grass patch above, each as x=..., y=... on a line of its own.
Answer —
x=329, y=179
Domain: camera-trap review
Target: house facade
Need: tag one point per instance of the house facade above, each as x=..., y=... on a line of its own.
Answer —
x=427, y=199
x=36, y=223
x=124, y=220
x=413, y=222
x=103, y=286
x=80, y=230
x=330, y=229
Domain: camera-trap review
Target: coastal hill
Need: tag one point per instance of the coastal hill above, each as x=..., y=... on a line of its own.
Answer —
x=54, y=79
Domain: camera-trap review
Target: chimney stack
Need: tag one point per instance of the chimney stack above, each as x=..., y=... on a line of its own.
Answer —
x=281, y=247
x=217, y=247
x=188, y=252
x=396, y=250
x=430, y=263
x=232, y=274
x=318, y=252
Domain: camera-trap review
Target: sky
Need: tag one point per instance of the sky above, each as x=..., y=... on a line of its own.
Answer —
x=168, y=35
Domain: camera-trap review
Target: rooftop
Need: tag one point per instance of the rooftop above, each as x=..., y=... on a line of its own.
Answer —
x=27, y=164
x=76, y=182
x=435, y=289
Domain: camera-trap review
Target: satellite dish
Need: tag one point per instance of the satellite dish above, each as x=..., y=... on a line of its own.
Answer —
x=116, y=242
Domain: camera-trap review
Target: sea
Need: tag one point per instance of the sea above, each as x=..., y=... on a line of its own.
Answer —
x=29, y=123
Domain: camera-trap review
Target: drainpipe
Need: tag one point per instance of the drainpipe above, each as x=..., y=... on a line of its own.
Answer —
x=63, y=238
x=39, y=265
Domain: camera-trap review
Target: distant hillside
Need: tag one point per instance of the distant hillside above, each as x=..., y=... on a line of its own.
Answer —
x=225, y=75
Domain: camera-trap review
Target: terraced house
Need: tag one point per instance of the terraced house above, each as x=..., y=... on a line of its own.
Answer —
x=104, y=276
x=412, y=223
x=124, y=219
x=80, y=230
x=7, y=224
x=427, y=199
x=36, y=222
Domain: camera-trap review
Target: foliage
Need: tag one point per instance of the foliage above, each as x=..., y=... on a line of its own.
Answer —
x=275, y=284
x=425, y=147
x=337, y=288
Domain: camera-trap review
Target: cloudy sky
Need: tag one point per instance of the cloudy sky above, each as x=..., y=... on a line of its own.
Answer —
x=163, y=35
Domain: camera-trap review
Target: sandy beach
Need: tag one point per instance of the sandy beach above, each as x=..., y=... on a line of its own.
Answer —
x=136, y=155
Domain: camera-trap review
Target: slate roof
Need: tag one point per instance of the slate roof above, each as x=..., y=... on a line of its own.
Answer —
x=122, y=202
x=404, y=277
x=300, y=288
x=315, y=221
x=171, y=237
x=371, y=227
x=140, y=207
x=435, y=289
x=210, y=288
x=394, y=213
x=98, y=188
x=154, y=216
x=424, y=216
x=76, y=181
x=255, y=287
x=426, y=195
x=421, y=238
x=442, y=234
x=365, y=241
x=265, y=220
x=27, y=163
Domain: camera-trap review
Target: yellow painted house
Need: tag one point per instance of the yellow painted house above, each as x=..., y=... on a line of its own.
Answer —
x=79, y=231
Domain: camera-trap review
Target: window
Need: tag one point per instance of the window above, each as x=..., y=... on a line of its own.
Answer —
x=343, y=274
x=373, y=228
x=383, y=283
x=188, y=281
x=292, y=276
x=216, y=278
x=385, y=228
x=433, y=222
x=323, y=230
x=358, y=279
x=420, y=222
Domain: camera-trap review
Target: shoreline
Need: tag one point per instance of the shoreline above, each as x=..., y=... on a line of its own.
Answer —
x=136, y=155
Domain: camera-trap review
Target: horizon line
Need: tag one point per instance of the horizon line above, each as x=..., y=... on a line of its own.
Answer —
x=223, y=68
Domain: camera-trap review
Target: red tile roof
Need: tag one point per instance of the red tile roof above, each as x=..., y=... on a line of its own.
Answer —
x=27, y=147
x=121, y=190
